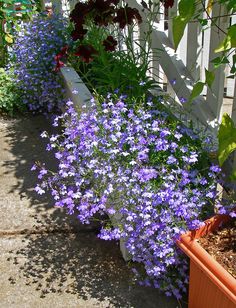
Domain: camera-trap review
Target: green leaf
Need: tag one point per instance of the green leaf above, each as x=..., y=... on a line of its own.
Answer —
x=186, y=11
x=203, y=22
x=179, y=25
x=225, y=45
x=210, y=76
x=197, y=90
x=233, y=176
x=9, y=38
x=226, y=138
x=230, y=40
x=219, y=61
x=232, y=34
x=186, y=8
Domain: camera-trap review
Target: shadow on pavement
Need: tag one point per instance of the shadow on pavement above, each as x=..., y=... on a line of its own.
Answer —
x=66, y=257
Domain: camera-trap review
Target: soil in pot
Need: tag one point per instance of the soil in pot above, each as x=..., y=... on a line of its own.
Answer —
x=221, y=245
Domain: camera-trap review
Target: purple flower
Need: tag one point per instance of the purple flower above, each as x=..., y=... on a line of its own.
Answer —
x=147, y=174
x=171, y=160
x=39, y=190
x=173, y=82
x=34, y=52
x=182, y=100
x=142, y=167
x=215, y=168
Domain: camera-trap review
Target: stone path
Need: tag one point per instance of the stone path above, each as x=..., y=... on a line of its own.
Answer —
x=47, y=259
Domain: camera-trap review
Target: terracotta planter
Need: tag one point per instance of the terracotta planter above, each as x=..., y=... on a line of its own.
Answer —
x=210, y=285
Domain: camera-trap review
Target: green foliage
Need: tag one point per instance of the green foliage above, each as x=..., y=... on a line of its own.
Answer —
x=210, y=76
x=230, y=4
x=186, y=11
x=197, y=90
x=226, y=47
x=198, y=87
x=219, y=61
x=10, y=99
x=227, y=138
x=9, y=19
x=229, y=41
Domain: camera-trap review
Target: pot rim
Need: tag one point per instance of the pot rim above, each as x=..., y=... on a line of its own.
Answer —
x=189, y=244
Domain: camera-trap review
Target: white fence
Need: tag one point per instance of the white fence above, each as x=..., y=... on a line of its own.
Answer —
x=178, y=71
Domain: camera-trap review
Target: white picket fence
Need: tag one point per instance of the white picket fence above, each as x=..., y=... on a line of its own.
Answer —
x=178, y=71
x=181, y=69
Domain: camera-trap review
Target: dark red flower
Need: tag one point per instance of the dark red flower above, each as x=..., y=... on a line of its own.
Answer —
x=59, y=63
x=80, y=11
x=86, y=52
x=100, y=6
x=78, y=33
x=168, y=3
x=125, y=16
x=64, y=51
x=104, y=19
x=59, y=56
x=103, y=12
x=109, y=43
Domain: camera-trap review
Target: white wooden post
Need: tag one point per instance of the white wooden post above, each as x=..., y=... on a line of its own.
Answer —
x=234, y=107
x=215, y=95
x=172, y=12
x=194, y=49
x=230, y=83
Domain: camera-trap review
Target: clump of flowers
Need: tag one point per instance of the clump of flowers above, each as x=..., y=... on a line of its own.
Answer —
x=34, y=59
x=102, y=13
x=140, y=165
x=97, y=29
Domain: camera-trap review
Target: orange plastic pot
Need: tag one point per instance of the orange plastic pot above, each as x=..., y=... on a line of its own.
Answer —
x=210, y=285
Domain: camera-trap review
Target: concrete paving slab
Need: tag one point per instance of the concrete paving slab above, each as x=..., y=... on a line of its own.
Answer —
x=48, y=259
x=20, y=207
x=75, y=270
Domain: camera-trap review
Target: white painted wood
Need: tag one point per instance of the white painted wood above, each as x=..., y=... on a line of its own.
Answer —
x=76, y=90
x=116, y=220
x=230, y=83
x=205, y=52
x=194, y=49
x=215, y=95
x=234, y=108
x=161, y=18
x=183, y=45
x=175, y=69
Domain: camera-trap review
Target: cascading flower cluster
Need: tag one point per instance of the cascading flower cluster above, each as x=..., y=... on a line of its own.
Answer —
x=138, y=164
x=34, y=51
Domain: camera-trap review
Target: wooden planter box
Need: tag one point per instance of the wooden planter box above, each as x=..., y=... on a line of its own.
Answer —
x=210, y=285
x=79, y=94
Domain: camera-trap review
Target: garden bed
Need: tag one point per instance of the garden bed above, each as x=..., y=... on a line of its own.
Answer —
x=123, y=154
